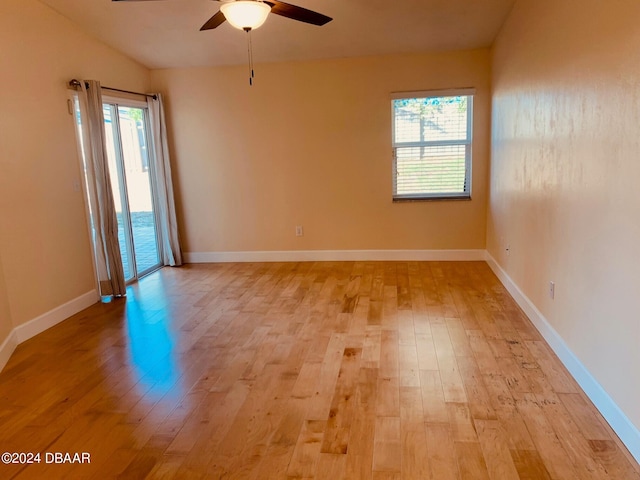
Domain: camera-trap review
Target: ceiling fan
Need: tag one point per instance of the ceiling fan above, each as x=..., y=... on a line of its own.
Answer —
x=250, y=14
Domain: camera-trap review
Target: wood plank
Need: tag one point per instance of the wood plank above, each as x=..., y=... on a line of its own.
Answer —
x=371, y=348
x=342, y=411
x=387, y=449
x=545, y=439
x=413, y=440
x=389, y=353
x=572, y=439
x=434, y=406
x=495, y=450
x=443, y=464
x=529, y=465
x=471, y=461
x=307, y=450
x=403, y=289
x=554, y=371
x=583, y=414
x=452, y=383
x=388, y=397
x=331, y=466
x=406, y=331
x=458, y=337
x=408, y=366
x=462, y=426
x=427, y=359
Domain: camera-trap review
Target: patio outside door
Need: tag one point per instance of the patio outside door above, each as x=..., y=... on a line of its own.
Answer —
x=127, y=134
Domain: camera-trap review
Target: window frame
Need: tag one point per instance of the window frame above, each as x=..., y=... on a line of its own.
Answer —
x=467, y=142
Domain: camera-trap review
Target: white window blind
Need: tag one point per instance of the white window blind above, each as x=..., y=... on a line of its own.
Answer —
x=432, y=134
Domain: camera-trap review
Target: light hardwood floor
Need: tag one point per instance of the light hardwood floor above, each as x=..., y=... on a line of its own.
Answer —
x=354, y=370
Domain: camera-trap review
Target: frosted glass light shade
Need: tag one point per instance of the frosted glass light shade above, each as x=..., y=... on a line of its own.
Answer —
x=245, y=14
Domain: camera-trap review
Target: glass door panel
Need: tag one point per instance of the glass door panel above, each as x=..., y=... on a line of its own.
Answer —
x=138, y=185
x=129, y=164
x=117, y=187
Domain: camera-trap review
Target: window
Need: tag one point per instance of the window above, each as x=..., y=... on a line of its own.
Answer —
x=432, y=144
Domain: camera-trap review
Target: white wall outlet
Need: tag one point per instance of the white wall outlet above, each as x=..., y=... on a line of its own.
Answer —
x=552, y=290
x=299, y=231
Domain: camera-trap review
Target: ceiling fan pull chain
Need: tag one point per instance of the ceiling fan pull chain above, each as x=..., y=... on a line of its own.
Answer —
x=250, y=55
x=251, y=50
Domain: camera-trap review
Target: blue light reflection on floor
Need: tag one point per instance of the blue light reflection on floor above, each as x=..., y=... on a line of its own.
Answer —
x=150, y=341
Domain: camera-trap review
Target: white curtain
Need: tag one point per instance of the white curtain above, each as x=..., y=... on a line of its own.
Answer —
x=168, y=226
x=104, y=223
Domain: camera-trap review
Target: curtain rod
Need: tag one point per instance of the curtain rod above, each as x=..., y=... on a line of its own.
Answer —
x=76, y=83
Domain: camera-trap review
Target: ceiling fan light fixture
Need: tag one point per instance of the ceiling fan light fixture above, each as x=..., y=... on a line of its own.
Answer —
x=245, y=14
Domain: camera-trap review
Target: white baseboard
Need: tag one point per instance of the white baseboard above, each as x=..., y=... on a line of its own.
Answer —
x=43, y=322
x=334, y=255
x=624, y=428
x=6, y=349
x=47, y=320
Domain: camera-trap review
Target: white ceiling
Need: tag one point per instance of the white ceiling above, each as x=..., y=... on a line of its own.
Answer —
x=165, y=33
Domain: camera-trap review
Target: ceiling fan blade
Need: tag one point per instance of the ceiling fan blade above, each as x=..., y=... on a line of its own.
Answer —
x=297, y=13
x=215, y=21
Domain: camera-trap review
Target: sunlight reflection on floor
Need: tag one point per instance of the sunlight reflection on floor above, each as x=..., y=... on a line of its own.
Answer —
x=150, y=342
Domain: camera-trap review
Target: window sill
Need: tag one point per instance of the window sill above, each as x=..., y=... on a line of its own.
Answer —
x=431, y=199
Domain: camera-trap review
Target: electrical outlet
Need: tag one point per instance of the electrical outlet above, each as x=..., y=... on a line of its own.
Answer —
x=299, y=231
x=552, y=290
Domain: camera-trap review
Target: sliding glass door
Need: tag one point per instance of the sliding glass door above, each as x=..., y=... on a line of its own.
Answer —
x=127, y=134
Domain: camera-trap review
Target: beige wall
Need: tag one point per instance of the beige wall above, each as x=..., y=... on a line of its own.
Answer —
x=309, y=144
x=44, y=242
x=564, y=177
